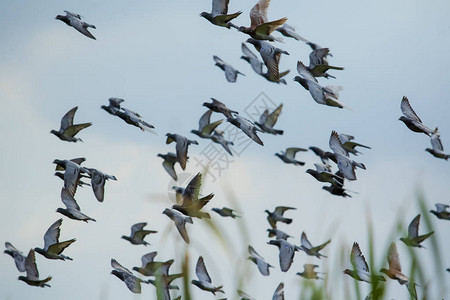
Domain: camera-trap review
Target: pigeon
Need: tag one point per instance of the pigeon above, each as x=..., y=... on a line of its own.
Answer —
x=414, y=239
x=309, y=272
x=188, y=199
x=361, y=271
x=135, y=119
x=219, y=107
x=205, y=127
x=277, y=216
x=437, y=148
x=204, y=281
x=219, y=14
x=278, y=234
x=72, y=209
x=348, y=145
x=270, y=56
x=230, y=72
x=138, y=234
x=32, y=277
x=98, y=180
x=149, y=266
x=217, y=137
x=80, y=182
x=289, y=31
x=181, y=147
x=133, y=283
x=72, y=173
x=320, y=153
x=170, y=159
x=318, y=64
x=336, y=190
x=74, y=20
x=226, y=212
x=260, y=27
x=289, y=155
x=441, y=211
x=180, y=221
x=244, y=296
x=247, y=126
x=68, y=130
x=287, y=251
x=263, y=267
x=323, y=173
x=328, y=95
x=163, y=281
x=19, y=258
x=114, y=105
x=344, y=163
x=412, y=120
x=309, y=249
x=267, y=121
x=279, y=292
x=52, y=247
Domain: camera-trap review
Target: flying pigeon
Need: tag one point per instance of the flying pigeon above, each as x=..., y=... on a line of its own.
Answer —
x=279, y=292
x=350, y=146
x=278, y=234
x=270, y=56
x=219, y=107
x=323, y=173
x=149, y=266
x=138, y=234
x=114, y=106
x=72, y=173
x=163, y=281
x=289, y=156
x=204, y=281
x=412, y=120
x=19, y=258
x=205, y=127
x=230, y=72
x=180, y=221
x=52, y=247
x=414, y=239
x=170, y=159
x=133, y=283
x=226, y=212
x=318, y=64
x=287, y=251
x=309, y=249
x=32, y=277
x=217, y=137
x=181, y=147
x=361, y=271
x=267, y=121
x=437, y=148
x=247, y=126
x=74, y=20
x=72, y=209
x=68, y=130
x=263, y=267
x=135, y=119
x=289, y=31
x=98, y=180
x=344, y=163
x=277, y=216
x=309, y=272
x=219, y=14
x=441, y=211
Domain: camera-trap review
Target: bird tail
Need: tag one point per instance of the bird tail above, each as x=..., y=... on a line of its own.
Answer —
x=218, y=289
x=279, y=131
x=287, y=221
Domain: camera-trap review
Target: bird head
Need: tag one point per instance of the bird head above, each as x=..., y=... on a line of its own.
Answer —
x=403, y=119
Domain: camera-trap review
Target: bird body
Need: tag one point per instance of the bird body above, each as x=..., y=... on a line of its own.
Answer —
x=412, y=120
x=441, y=211
x=289, y=156
x=132, y=282
x=226, y=212
x=267, y=121
x=286, y=255
x=52, y=247
x=219, y=14
x=270, y=56
x=180, y=221
x=437, y=149
x=19, y=258
x=72, y=209
x=247, y=126
x=32, y=277
x=204, y=282
x=138, y=234
x=277, y=216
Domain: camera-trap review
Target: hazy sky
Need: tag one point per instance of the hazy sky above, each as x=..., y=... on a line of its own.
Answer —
x=158, y=57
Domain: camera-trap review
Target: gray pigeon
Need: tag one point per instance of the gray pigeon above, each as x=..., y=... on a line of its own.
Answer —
x=72, y=173
x=414, y=239
x=32, y=277
x=277, y=216
x=217, y=137
x=150, y=266
x=270, y=55
x=205, y=127
x=219, y=107
x=412, y=120
x=318, y=63
x=309, y=249
x=279, y=292
x=180, y=221
x=344, y=163
x=361, y=271
x=74, y=20
x=289, y=156
x=287, y=251
x=181, y=147
x=204, y=281
x=289, y=31
x=278, y=234
x=98, y=180
x=219, y=14
x=19, y=258
x=138, y=234
x=135, y=119
x=309, y=272
x=230, y=72
x=320, y=153
x=267, y=121
x=114, y=105
x=323, y=173
x=247, y=126
x=349, y=145
x=437, y=148
x=441, y=211
x=328, y=95
x=226, y=212
x=337, y=188
x=68, y=130
x=170, y=159
x=263, y=267
x=52, y=247
x=72, y=209
x=133, y=283
x=80, y=182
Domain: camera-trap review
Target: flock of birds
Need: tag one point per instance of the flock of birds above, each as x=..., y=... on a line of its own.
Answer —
x=190, y=203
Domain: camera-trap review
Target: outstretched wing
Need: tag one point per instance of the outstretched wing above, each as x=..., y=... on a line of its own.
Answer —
x=201, y=271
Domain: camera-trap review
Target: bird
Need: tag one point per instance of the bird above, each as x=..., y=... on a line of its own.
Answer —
x=226, y=212
x=132, y=282
x=263, y=266
x=68, y=130
x=135, y=119
x=260, y=27
x=32, y=277
x=414, y=239
x=205, y=127
x=219, y=14
x=204, y=282
x=277, y=216
x=441, y=211
x=361, y=271
x=437, y=148
x=278, y=234
x=219, y=107
x=247, y=126
x=163, y=281
x=279, y=292
x=309, y=272
x=170, y=159
x=350, y=146
x=286, y=255
x=19, y=258
x=138, y=234
x=336, y=190
x=218, y=138
x=267, y=121
x=52, y=247
x=180, y=221
x=72, y=173
x=289, y=31
x=320, y=153
x=114, y=105
x=288, y=156
x=74, y=20
x=72, y=209
x=412, y=120
x=98, y=180
x=181, y=147
x=270, y=55
x=318, y=63
x=230, y=72
x=323, y=173
x=309, y=249
x=344, y=163
x=150, y=266
x=328, y=95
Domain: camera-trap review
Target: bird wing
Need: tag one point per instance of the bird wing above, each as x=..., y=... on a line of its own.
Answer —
x=71, y=178
x=192, y=190
x=58, y=248
x=248, y=52
x=320, y=247
x=119, y=267
x=137, y=227
x=71, y=14
x=336, y=145
x=279, y=292
x=82, y=27
x=413, y=229
x=304, y=72
x=305, y=242
x=219, y=7
x=115, y=102
x=169, y=166
x=316, y=57
x=230, y=73
x=182, y=151
x=263, y=117
x=267, y=28
x=133, y=283
x=441, y=207
x=51, y=236
x=68, y=200
x=30, y=266
x=279, y=210
x=393, y=258
x=67, y=119
x=290, y=152
x=201, y=271
x=180, y=223
x=286, y=255
x=78, y=160
x=258, y=14
x=205, y=119
x=408, y=111
x=358, y=259
x=346, y=167
x=74, y=129
x=270, y=58
x=253, y=252
x=148, y=258
x=345, y=138
x=98, y=184
x=273, y=116
x=436, y=142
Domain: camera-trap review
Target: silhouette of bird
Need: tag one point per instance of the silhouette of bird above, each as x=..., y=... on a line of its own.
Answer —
x=219, y=107
x=270, y=56
x=205, y=127
x=68, y=130
x=170, y=159
x=289, y=31
x=98, y=180
x=414, y=239
x=150, y=266
x=350, y=146
x=309, y=272
x=226, y=212
x=72, y=173
x=286, y=255
x=278, y=234
x=320, y=153
x=218, y=138
x=279, y=292
x=318, y=63
x=74, y=20
x=247, y=127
